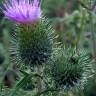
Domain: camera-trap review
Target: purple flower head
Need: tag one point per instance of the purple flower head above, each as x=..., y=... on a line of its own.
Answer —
x=22, y=11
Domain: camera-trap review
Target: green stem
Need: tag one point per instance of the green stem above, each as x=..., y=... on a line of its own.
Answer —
x=39, y=80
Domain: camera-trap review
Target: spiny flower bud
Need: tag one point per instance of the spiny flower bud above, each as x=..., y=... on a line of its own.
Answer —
x=70, y=68
x=32, y=44
x=32, y=41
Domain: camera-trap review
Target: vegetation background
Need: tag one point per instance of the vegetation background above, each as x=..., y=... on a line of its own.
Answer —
x=74, y=22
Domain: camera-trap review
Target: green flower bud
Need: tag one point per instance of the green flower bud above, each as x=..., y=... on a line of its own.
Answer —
x=32, y=44
x=70, y=68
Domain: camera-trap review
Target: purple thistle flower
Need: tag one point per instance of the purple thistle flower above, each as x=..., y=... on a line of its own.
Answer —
x=22, y=11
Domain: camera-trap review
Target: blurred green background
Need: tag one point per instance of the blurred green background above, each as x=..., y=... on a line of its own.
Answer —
x=74, y=22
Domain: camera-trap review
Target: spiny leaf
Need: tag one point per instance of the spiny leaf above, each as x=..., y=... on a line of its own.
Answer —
x=20, y=84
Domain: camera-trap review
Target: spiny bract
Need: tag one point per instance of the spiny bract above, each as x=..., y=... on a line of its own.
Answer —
x=32, y=44
x=70, y=68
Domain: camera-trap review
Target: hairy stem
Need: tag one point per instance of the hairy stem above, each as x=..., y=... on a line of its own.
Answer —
x=39, y=81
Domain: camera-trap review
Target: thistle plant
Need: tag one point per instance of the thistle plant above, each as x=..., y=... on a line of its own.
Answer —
x=32, y=45
x=32, y=39
x=70, y=68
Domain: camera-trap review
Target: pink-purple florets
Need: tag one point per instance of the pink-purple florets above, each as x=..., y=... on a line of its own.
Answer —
x=22, y=11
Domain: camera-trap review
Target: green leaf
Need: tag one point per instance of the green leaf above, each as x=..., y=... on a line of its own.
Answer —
x=20, y=84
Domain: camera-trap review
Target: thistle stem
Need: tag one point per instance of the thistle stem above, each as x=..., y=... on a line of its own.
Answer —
x=39, y=81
